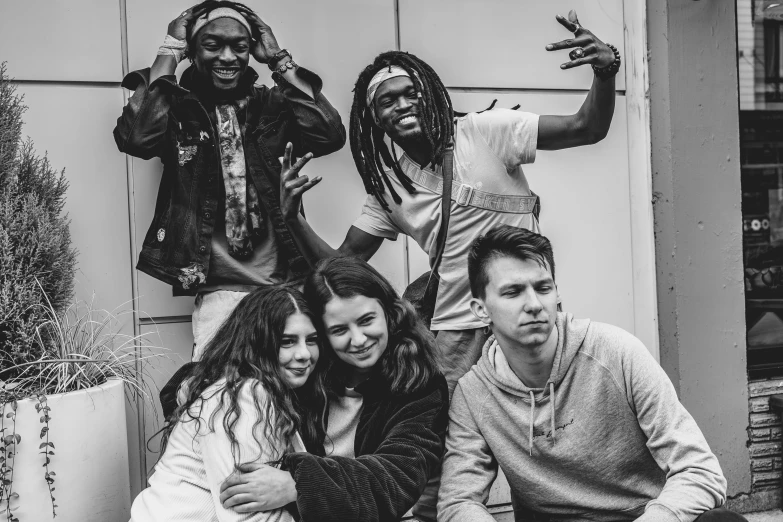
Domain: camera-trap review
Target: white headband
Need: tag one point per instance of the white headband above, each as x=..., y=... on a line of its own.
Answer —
x=220, y=12
x=381, y=76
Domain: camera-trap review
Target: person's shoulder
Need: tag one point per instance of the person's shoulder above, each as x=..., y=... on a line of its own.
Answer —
x=472, y=385
x=608, y=341
x=492, y=118
x=250, y=391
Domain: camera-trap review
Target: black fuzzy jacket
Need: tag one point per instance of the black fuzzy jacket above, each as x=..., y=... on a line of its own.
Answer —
x=398, y=447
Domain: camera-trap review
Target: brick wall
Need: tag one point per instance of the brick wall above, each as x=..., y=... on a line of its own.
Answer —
x=764, y=432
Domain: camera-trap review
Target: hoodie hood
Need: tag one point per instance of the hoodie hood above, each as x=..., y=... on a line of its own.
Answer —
x=493, y=367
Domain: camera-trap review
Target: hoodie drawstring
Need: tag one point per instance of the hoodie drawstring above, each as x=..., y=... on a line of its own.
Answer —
x=552, y=404
x=532, y=418
x=533, y=413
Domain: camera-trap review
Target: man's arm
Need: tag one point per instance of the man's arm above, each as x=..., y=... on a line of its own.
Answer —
x=694, y=480
x=356, y=243
x=591, y=123
x=142, y=126
x=469, y=468
x=381, y=485
x=318, y=127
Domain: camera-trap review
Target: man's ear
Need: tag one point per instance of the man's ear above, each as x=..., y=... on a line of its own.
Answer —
x=479, y=310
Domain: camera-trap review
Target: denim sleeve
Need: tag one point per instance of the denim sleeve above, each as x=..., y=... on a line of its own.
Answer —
x=317, y=125
x=141, y=129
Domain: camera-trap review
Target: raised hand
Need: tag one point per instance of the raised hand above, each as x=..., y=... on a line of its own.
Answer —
x=292, y=185
x=264, y=42
x=587, y=48
x=178, y=28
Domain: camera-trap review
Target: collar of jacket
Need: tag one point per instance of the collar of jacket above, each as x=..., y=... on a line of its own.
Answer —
x=374, y=386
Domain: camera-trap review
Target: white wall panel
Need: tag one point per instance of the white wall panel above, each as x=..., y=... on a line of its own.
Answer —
x=74, y=126
x=176, y=343
x=585, y=210
x=74, y=40
x=501, y=43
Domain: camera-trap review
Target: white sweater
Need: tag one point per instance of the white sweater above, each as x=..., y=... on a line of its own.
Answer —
x=185, y=485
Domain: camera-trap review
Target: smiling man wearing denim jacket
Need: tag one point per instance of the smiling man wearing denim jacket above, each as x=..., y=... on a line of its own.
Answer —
x=218, y=232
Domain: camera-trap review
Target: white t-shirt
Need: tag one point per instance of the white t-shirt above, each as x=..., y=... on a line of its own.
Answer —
x=186, y=483
x=344, y=414
x=489, y=149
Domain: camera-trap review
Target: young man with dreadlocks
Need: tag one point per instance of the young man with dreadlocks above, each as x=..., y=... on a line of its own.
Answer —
x=400, y=97
x=218, y=232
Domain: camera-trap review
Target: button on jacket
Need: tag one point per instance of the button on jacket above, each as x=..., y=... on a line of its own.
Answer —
x=169, y=120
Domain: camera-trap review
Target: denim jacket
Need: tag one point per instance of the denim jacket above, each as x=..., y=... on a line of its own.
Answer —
x=168, y=120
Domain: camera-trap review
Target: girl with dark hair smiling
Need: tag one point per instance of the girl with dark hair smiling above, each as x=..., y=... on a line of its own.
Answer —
x=388, y=408
x=242, y=403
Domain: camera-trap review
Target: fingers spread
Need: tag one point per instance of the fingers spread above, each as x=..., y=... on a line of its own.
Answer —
x=289, y=147
x=576, y=63
x=296, y=183
x=590, y=49
x=302, y=161
x=571, y=26
x=569, y=43
x=307, y=186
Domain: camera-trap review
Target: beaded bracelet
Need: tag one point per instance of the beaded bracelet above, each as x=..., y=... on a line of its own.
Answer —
x=282, y=53
x=611, y=69
x=290, y=64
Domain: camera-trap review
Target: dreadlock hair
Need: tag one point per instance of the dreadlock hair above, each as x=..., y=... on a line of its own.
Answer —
x=209, y=6
x=368, y=147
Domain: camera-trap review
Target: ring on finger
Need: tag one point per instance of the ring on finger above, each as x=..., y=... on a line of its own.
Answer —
x=577, y=53
x=184, y=14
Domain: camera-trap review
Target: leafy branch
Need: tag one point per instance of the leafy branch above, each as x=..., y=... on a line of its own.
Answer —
x=46, y=447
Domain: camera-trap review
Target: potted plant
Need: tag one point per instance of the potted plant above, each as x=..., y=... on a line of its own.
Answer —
x=65, y=367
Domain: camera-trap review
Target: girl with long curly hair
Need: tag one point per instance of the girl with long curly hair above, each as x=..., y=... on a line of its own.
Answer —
x=242, y=403
x=388, y=408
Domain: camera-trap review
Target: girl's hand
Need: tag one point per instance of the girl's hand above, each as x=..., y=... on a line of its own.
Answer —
x=257, y=487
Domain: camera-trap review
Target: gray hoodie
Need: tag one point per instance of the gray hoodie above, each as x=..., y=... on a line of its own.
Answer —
x=606, y=439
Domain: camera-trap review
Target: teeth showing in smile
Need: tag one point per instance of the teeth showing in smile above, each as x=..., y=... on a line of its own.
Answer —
x=225, y=73
x=362, y=351
x=406, y=120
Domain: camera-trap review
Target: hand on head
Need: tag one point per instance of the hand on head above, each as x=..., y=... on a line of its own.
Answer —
x=178, y=28
x=587, y=48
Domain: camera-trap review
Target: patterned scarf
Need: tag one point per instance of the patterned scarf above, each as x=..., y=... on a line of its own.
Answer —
x=244, y=221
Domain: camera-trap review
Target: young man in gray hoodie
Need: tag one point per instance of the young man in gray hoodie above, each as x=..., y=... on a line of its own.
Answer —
x=582, y=420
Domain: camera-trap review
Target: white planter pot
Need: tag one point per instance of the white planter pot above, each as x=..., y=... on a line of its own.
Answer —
x=87, y=428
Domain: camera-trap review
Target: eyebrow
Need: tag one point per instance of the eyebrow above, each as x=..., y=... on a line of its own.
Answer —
x=537, y=282
x=207, y=36
x=395, y=93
